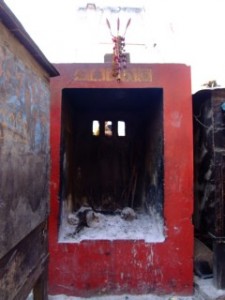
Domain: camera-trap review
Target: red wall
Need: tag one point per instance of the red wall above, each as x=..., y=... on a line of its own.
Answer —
x=135, y=267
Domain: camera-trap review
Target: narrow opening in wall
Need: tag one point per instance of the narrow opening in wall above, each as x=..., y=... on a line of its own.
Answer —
x=121, y=128
x=108, y=128
x=112, y=188
x=95, y=128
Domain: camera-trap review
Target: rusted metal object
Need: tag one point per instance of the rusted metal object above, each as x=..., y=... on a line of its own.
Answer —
x=24, y=161
x=209, y=144
x=24, y=267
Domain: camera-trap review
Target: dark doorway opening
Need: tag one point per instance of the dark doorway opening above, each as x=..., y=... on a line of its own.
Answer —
x=112, y=150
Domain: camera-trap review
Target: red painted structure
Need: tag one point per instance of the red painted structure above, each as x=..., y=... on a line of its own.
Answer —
x=135, y=267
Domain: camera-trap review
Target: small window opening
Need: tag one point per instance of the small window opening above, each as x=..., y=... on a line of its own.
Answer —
x=95, y=128
x=121, y=128
x=108, y=128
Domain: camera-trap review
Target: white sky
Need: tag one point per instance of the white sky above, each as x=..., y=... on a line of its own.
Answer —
x=185, y=31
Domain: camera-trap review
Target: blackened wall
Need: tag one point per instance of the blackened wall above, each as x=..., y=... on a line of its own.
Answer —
x=112, y=172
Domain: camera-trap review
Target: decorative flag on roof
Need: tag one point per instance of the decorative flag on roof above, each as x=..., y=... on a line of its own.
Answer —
x=119, y=56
